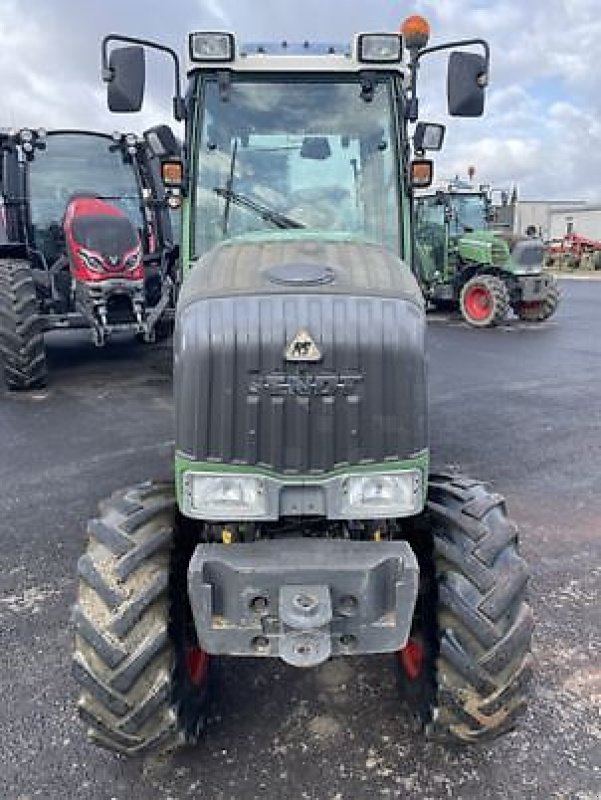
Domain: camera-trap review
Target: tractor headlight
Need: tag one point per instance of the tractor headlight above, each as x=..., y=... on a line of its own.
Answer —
x=211, y=46
x=91, y=261
x=394, y=494
x=132, y=260
x=223, y=497
x=379, y=48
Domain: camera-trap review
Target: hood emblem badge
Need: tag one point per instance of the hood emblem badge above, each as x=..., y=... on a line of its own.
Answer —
x=303, y=348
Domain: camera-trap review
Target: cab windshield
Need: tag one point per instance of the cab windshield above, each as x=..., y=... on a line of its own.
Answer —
x=312, y=154
x=469, y=213
x=72, y=164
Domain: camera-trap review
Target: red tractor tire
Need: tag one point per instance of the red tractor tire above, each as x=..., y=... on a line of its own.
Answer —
x=484, y=301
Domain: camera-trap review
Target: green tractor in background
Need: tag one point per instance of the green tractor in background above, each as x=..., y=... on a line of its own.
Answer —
x=481, y=272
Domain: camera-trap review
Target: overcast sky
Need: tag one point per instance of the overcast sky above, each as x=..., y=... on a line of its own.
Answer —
x=542, y=128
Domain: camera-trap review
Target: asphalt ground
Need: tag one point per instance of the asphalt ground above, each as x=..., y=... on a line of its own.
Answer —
x=519, y=406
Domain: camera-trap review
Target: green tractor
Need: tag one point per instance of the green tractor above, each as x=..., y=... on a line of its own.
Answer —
x=485, y=274
x=302, y=522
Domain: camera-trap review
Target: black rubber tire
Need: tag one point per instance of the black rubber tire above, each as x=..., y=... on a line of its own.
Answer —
x=499, y=300
x=471, y=618
x=21, y=327
x=539, y=312
x=128, y=622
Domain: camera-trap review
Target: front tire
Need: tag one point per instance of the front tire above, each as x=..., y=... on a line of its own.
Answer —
x=484, y=301
x=21, y=327
x=140, y=690
x=543, y=309
x=467, y=664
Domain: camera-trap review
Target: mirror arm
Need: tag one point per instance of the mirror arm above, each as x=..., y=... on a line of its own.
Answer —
x=459, y=43
x=412, y=105
x=179, y=104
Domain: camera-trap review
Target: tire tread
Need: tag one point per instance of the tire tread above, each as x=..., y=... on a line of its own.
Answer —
x=474, y=620
x=123, y=659
x=21, y=327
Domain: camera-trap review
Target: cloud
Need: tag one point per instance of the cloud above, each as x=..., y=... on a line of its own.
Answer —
x=495, y=159
x=541, y=129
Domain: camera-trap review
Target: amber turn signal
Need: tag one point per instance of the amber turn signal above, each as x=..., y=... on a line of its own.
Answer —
x=416, y=32
x=172, y=173
x=422, y=173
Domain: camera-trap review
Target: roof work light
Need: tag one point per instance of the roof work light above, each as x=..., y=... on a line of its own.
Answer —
x=380, y=48
x=212, y=46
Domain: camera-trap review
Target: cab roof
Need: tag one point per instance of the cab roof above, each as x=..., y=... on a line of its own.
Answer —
x=276, y=57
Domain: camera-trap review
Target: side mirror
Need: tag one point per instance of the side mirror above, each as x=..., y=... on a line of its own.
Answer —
x=428, y=136
x=127, y=76
x=466, y=82
x=422, y=173
x=162, y=142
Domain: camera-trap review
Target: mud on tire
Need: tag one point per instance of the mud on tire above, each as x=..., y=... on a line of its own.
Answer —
x=472, y=626
x=128, y=620
x=21, y=328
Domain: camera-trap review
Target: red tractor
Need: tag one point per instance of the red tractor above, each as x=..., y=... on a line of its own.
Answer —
x=573, y=252
x=85, y=242
x=105, y=261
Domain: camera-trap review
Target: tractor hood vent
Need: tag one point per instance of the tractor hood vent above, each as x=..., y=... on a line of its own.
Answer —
x=301, y=274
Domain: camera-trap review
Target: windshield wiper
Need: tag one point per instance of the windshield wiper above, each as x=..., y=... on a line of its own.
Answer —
x=268, y=214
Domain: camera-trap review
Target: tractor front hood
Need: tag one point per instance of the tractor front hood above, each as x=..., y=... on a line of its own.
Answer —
x=483, y=247
x=299, y=357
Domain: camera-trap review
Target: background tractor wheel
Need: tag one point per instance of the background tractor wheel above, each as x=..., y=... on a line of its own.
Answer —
x=467, y=663
x=484, y=301
x=21, y=328
x=542, y=310
x=144, y=682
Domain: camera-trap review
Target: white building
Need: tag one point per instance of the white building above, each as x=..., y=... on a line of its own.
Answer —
x=584, y=220
x=553, y=220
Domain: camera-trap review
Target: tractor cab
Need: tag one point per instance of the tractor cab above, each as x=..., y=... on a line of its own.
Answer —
x=469, y=212
x=292, y=153
x=63, y=165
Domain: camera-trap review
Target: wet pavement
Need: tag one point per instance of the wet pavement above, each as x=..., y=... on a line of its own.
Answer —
x=519, y=406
